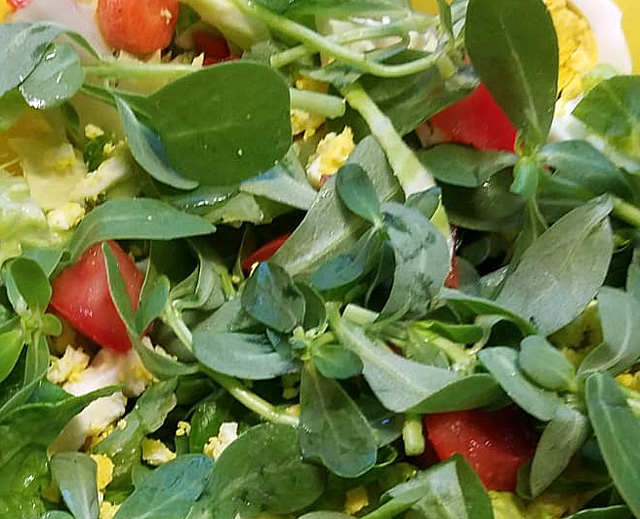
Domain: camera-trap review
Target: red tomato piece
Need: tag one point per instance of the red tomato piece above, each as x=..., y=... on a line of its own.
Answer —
x=265, y=252
x=453, y=278
x=18, y=4
x=215, y=48
x=138, y=26
x=80, y=294
x=477, y=120
x=495, y=443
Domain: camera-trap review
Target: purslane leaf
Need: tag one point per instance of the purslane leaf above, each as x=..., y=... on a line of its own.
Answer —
x=544, y=364
x=76, y=473
x=357, y=192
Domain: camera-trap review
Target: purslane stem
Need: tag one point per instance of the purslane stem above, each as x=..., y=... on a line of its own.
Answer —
x=625, y=211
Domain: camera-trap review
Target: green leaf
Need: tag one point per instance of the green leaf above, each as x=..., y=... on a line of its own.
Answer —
x=620, y=317
x=11, y=344
x=445, y=16
x=278, y=481
x=501, y=362
x=271, y=297
x=153, y=298
x=313, y=241
x=315, y=313
x=333, y=429
x=514, y=49
x=169, y=491
x=422, y=261
x=618, y=434
x=138, y=218
x=12, y=106
x=56, y=514
x=207, y=419
x=336, y=8
x=335, y=361
x=27, y=285
x=562, y=270
x=277, y=185
x=241, y=355
x=561, y=439
x=30, y=42
x=227, y=135
x=400, y=384
x=76, y=473
x=610, y=512
x=544, y=364
x=148, y=151
x=357, y=192
x=464, y=166
x=55, y=80
x=470, y=392
x=580, y=162
x=612, y=110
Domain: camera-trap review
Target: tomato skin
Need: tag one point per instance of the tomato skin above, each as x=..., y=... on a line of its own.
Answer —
x=215, y=48
x=453, y=278
x=18, y=4
x=477, y=120
x=80, y=294
x=265, y=252
x=495, y=443
x=138, y=26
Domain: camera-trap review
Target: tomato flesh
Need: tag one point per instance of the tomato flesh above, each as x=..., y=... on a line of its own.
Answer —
x=476, y=120
x=80, y=294
x=495, y=443
x=265, y=252
x=137, y=26
x=214, y=48
x=18, y=4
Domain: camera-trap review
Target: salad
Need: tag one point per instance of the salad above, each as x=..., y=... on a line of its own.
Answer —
x=319, y=259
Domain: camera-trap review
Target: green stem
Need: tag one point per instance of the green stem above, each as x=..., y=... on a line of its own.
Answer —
x=252, y=401
x=626, y=212
x=412, y=436
x=358, y=315
x=318, y=43
x=397, y=28
x=317, y=103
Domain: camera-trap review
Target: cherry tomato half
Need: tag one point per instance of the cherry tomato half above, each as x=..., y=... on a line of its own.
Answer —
x=137, y=26
x=495, y=443
x=80, y=294
x=265, y=252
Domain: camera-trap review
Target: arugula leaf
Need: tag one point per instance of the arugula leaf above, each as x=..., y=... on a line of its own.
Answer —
x=271, y=297
x=562, y=270
x=313, y=241
x=278, y=481
x=611, y=109
x=241, y=355
x=620, y=317
x=421, y=261
x=169, y=491
x=55, y=80
x=148, y=150
x=137, y=218
x=618, y=434
x=357, y=192
x=227, y=135
x=333, y=428
x=514, y=49
x=561, y=439
x=501, y=362
x=30, y=41
x=76, y=473
x=544, y=364
x=464, y=166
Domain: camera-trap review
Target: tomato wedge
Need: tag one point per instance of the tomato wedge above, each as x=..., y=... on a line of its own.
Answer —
x=137, y=26
x=80, y=294
x=495, y=443
x=265, y=252
x=214, y=48
x=476, y=120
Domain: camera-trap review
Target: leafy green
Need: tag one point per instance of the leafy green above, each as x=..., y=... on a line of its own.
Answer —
x=333, y=429
x=335, y=361
x=514, y=49
x=563, y=269
x=169, y=491
x=610, y=512
x=618, y=434
x=278, y=481
x=272, y=298
x=11, y=344
x=27, y=286
x=241, y=355
x=231, y=127
x=75, y=473
x=620, y=317
x=611, y=110
x=464, y=166
x=544, y=364
x=502, y=364
x=277, y=185
x=207, y=418
x=55, y=80
x=357, y=192
x=12, y=106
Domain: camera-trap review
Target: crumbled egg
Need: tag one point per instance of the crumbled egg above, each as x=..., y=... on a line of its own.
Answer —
x=357, y=499
x=104, y=470
x=227, y=434
x=64, y=368
x=630, y=380
x=332, y=152
x=108, y=510
x=91, y=131
x=156, y=453
x=183, y=429
x=65, y=217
